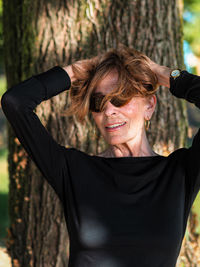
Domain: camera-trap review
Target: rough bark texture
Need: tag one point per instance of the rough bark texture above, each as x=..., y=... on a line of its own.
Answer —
x=43, y=33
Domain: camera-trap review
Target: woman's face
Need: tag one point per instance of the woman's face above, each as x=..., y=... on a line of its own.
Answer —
x=133, y=114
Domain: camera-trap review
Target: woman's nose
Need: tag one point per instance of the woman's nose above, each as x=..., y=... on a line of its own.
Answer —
x=109, y=108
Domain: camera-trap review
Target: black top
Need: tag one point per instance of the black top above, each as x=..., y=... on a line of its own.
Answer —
x=120, y=212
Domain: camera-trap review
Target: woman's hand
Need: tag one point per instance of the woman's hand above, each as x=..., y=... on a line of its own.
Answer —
x=79, y=64
x=69, y=70
x=162, y=72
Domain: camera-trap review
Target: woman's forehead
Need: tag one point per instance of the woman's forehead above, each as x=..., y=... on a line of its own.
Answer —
x=107, y=84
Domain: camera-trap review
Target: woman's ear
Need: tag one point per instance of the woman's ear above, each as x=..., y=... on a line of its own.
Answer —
x=150, y=105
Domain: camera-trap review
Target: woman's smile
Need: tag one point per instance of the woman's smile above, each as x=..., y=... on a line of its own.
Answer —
x=115, y=127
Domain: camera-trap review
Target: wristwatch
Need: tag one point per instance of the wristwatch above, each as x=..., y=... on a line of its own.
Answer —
x=175, y=73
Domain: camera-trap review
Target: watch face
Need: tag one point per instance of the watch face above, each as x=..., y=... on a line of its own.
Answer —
x=175, y=72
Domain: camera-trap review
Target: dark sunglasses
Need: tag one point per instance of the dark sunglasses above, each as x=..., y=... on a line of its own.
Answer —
x=96, y=100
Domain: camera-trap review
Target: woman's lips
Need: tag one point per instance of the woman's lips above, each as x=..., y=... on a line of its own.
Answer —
x=115, y=128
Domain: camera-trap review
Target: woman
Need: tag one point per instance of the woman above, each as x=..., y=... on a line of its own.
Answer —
x=127, y=206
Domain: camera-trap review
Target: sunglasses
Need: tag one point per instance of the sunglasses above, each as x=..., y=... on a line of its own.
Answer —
x=96, y=100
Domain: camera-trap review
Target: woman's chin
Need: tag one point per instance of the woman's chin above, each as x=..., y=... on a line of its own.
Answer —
x=114, y=140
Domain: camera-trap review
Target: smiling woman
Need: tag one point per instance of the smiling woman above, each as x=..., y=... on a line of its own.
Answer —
x=135, y=78
x=118, y=88
x=130, y=207
x=122, y=126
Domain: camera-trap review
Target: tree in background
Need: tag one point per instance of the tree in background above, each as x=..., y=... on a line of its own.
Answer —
x=41, y=34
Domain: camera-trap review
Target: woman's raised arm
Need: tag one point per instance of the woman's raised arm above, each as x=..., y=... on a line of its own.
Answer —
x=186, y=86
x=18, y=103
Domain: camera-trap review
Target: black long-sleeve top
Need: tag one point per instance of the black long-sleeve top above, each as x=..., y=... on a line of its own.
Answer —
x=120, y=212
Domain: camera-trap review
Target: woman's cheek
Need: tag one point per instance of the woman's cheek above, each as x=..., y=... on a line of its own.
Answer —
x=133, y=109
x=129, y=110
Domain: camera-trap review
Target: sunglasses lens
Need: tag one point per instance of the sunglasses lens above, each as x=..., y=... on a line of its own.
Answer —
x=116, y=102
x=95, y=103
x=96, y=100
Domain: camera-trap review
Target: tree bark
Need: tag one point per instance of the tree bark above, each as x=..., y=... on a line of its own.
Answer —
x=41, y=34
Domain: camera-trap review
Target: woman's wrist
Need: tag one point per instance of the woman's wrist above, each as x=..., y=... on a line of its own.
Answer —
x=79, y=64
x=69, y=71
x=165, y=76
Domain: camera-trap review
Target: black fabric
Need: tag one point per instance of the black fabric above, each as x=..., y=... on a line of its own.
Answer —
x=120, y=212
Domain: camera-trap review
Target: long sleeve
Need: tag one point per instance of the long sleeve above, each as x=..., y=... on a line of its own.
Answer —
x=18, y=103
x=187, y=86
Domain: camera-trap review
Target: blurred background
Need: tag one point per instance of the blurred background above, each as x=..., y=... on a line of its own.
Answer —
x=191, y=45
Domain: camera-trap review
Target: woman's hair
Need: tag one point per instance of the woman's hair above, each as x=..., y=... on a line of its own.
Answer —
x=135, y=78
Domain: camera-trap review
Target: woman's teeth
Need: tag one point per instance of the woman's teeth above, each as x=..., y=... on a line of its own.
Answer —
x=116, y=126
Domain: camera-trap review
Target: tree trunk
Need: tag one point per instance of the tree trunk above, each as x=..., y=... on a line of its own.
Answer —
x=41, y=34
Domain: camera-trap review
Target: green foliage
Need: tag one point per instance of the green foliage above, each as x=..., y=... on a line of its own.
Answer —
x=4, y=184
x=192, y=5
x=1, y=24
x=192, y=34
x=2, y=84
x=3, y=171
x=195, y=209
x=191, y=27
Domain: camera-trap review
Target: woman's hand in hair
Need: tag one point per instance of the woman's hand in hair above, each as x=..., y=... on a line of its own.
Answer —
x=162, y=72
x=69, y=69
x=80, y=65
